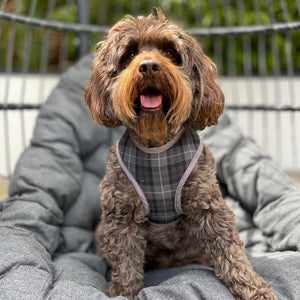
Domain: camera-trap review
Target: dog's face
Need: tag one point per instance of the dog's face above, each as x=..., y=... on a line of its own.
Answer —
x=154, y=78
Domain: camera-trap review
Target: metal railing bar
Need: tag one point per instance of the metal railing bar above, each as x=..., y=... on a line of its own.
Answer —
x=257, y=10
x=284, y=11
x=217, y=40
x=264, y=92
x=198, y=15
x=290, y=72
x=45, y=51
x=231, y=50
x=63, y=47
x=247, y=63
x=212, y=31
x=271, y=11
x=17, y=106
x=284, y=108
x=8, y=70
x=250, y=29
x=118, y=7
x=25, y=68
x=298, y=7
x=54, y=25
x=262, y=70
x=63, y=52
x=218, y=53
x=83, y=18
x=213, y=7
x=276, y=86
x=102, y=12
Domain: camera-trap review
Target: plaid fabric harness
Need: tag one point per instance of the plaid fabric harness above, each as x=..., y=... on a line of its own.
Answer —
x=158, y=174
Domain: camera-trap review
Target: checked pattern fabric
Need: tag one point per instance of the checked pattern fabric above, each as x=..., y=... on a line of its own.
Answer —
x=158, y=174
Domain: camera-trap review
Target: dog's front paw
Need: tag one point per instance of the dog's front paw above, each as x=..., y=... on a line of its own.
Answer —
x=263, y=293
x=130, y=292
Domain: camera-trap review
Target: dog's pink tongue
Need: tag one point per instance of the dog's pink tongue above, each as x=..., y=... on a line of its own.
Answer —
x=151, y=101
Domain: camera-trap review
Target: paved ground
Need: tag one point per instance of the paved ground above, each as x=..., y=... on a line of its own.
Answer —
x=4, y=183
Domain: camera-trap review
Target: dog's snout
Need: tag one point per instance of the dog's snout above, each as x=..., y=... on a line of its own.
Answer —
x=149, y=68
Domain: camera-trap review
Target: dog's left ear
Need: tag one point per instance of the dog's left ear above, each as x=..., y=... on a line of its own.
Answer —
x=208, y=98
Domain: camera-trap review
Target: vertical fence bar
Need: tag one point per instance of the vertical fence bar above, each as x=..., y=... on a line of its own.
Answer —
x=231, y=45
x=63, y=52
x=298, y=7
x=102, y=13
x=63, y=47
x=262, y=72
x=25, y=69
x=231, y=58
x=135, y=7
x=217, y=41
x=290, y=74
x=4, y=145
x=247, y=64
x=118, y=7
x=198, y=16
x=8, y=71
x=83, y=18
x=289, y=66
x=276, y=74
x=45, y=52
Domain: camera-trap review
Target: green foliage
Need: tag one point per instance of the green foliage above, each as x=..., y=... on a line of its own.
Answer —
x=246, y=54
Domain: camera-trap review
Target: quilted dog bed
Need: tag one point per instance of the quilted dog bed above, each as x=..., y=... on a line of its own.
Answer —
x=48, y=221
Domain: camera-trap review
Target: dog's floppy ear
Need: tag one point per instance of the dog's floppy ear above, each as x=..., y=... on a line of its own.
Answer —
x=99, y=88
x=208, y=98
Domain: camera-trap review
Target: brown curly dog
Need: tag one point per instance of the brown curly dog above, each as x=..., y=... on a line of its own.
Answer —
x=161, y=204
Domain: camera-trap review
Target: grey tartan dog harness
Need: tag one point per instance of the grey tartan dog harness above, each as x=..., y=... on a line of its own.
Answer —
x=158, y=174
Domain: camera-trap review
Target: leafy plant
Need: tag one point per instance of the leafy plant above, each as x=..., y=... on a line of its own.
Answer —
x=24, y=47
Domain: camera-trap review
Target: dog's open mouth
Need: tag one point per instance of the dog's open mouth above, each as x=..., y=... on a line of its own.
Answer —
x=151, y=100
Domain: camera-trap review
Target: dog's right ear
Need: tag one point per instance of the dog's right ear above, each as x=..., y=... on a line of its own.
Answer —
x=98, y=90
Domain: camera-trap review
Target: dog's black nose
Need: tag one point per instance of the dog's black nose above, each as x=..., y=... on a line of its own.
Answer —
x=149, y=68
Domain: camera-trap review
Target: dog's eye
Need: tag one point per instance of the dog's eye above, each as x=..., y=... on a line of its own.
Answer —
x=131, y=54
x=174, y=56
x=170, y=53
x=127, y=57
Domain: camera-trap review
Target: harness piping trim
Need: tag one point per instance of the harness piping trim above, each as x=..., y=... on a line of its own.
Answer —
x=181, y=183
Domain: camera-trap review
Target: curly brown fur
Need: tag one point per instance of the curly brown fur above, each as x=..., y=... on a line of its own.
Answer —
x=184, y=78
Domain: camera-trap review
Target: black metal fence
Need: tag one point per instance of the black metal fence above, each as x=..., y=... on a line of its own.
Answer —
x=254, y=43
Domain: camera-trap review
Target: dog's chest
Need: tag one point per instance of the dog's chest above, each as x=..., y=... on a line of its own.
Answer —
x=158, y=174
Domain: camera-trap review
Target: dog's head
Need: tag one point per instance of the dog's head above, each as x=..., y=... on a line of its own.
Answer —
x=154, y=78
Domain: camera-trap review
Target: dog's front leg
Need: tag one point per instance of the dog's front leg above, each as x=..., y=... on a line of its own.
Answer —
x=121, y=241
x=214, y=226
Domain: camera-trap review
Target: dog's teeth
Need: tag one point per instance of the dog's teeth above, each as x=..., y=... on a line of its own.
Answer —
x=151, y=101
